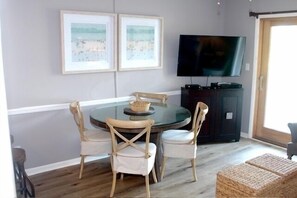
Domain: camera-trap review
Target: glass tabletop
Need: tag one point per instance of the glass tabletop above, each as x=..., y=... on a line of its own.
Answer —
x=166, y=116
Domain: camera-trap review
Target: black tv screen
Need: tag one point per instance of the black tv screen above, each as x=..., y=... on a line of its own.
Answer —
x=201, y=55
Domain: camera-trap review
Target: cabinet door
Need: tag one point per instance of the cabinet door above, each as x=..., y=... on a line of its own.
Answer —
x=228, y=118
x=189, y=100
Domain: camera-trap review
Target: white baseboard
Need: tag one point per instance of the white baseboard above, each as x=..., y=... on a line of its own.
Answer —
x=63, y=164
x=244, y=135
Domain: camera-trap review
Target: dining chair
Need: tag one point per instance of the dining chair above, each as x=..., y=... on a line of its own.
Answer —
x=129, y=154
x=92, y=141
x=154, y=97
x=292, y=146
x=179, y=143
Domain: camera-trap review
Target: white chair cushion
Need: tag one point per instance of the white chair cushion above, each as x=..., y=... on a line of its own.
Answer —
x=177, y=136
x=95, y=147
x=133, y=152
x=97, y=135
x=187, y=151
x=133, y=165
x=97, y=142
x=132, y=161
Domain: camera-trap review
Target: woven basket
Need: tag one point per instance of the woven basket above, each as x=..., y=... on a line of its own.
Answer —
x=245, y=180
x=140, y=106
x=286, y=169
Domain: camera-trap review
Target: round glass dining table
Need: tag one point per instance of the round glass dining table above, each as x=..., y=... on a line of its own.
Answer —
x=166, y=116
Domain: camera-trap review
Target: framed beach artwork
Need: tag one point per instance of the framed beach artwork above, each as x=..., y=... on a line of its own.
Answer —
x=140, y=42
x=88, y=42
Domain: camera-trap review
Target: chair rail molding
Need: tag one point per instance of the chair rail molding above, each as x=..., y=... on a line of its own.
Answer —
x=62, y=106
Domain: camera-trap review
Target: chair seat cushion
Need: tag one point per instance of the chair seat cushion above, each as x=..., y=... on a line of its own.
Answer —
x=97, y=135
x=132, y=161
x=177, y=136
x=130, y=151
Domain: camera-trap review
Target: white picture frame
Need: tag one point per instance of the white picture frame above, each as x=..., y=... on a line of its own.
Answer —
x=140, y=42
x=88, y=42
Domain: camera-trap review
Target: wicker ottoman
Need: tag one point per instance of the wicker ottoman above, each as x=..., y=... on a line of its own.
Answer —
x=245, y=180
x=283, y=167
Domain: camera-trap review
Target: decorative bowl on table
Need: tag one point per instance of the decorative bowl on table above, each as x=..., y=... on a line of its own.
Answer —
x=140, y=106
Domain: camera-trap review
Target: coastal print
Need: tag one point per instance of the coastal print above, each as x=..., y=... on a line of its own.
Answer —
x=88, y=42
x=140, y=42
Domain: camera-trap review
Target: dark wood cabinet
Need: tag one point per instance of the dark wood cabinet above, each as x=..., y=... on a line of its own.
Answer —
x=223, y=121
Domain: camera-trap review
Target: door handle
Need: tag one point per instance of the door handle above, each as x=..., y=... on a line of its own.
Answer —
x=261, y=83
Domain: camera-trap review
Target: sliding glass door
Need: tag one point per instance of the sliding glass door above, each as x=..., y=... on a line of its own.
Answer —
x=277, y=80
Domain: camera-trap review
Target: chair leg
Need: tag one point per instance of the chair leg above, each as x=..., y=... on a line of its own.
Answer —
x=147, y=185
x=290, y=156
x=122, y=176
x=82, y=161
x=154, y=175
x=111, y=162
x=114, y=178
x=193, y=161
x=163, y=166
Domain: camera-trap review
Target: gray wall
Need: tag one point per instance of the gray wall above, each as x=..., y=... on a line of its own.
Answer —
x=32, y=64
x=32, y=49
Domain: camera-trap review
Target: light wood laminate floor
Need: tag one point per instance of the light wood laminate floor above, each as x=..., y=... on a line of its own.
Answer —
x=177, y=182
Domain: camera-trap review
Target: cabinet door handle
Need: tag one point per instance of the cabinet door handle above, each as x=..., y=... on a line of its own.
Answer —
x=261, y=82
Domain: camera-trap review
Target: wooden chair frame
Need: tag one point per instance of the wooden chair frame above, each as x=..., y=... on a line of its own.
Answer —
x=199, y=117
x=75, y=109
x=162, y=98
x=145, y=128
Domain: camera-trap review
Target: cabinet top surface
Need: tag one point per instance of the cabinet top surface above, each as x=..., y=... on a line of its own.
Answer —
x=212, y=89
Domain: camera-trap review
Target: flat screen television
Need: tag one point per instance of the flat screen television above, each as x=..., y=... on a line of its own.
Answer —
x=202, y=55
